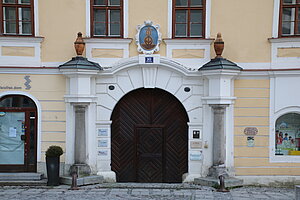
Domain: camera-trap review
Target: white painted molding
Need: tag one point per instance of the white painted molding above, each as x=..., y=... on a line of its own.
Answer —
x=200, y=44
x=275, y=18
x=39, y=111
x=36, y=18
x=149, y=76
x=188, y=41
x=164, y=62
x=105, y=43
x=207, y=18
x=139, y=28
x=88, y=18
x=21, y=61
x=114, y=41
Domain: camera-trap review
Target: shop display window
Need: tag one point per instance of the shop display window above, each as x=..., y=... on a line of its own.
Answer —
x=287, y=134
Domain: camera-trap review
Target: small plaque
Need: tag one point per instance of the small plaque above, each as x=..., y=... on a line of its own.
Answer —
x=102, y=132
x=102, y=153
x=195, y=156
x=250, y=131
x=149, y=59
x=102, y=143
x=250, y=141
x=196, y=144
x=196, y=134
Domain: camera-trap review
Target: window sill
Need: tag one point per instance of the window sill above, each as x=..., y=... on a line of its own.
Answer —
x=284, y=39
x=27, y=39
x=108, y=40
x=188, y=41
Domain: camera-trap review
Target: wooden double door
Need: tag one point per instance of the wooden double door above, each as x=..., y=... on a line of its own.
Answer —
x=149, y=137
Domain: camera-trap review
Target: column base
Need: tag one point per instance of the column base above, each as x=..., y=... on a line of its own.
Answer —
x=82, y=170
x=216, y=171
x=109, y=176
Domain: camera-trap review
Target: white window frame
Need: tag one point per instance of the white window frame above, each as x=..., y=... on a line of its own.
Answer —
x=207, y=18
x=88, y=18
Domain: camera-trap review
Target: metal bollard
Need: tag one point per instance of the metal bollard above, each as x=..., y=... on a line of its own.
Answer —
x=222, y=185
x=74, y=182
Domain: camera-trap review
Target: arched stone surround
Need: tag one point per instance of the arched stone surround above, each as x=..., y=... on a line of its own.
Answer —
x=129, y=75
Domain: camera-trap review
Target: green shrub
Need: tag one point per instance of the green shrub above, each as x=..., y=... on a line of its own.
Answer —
x=54, y=151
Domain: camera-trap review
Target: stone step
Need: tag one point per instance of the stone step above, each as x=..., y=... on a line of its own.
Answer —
x=87, y=180
x=42, y=182
x=214, y=182
x=20, y=176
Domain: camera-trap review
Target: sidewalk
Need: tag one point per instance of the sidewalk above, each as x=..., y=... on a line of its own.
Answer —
x=134, y=191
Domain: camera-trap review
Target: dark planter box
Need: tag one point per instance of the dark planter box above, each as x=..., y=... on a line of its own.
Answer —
x=52, y=164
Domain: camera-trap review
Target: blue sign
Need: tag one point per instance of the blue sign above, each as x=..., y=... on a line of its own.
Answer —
x=148, y=38
x=149, y=59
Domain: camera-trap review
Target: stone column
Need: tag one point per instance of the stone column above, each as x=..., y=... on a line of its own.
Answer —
x=80, y=135
x=219, y=147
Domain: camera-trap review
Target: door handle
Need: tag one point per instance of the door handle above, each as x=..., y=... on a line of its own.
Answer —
x=23, y=137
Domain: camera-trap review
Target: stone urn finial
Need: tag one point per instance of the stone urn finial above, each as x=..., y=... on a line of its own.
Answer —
x=219, y=46
x=79, y=44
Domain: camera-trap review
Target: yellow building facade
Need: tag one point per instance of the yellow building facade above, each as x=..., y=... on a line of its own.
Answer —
x=139, y=90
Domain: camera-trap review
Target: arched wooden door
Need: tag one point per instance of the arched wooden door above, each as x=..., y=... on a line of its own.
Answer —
x=149, y=137
x=18, y=134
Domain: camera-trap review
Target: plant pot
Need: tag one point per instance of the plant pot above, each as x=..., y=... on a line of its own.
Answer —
x=52, y=164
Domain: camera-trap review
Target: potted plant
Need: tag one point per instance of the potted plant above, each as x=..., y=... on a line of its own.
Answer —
x=53, y=154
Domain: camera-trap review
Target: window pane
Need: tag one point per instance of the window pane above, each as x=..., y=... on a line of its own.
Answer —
x=114, y=22
x=181, y=2
x=24, y=1
x=180, y=30
x=114, y=2
x=287, y=28
x=287, y=134
x=114, y=29
x=196, y=15
x=9, y=13
x=99, y=29
x=181, y=16
x=286, y=2
x=288, y=14
x=10, y=27
x=26, y=27
x=99, y=2
x=196, y=2
x=114, y=16
x=196, y=30
x=9, y=1
x=17, y=101
x=26, y=14
x=99, y=15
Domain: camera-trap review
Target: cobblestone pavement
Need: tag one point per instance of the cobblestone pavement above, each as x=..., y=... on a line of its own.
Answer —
x=142, y=192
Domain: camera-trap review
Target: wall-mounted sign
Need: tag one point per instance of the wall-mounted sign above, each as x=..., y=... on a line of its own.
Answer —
x=102, y=143
x=196, y=134
x=250, y=131
x=148, y=38
x=196, y=144
x=102, y=132
x=102, y=153
x=250, y=141
x=196, y=156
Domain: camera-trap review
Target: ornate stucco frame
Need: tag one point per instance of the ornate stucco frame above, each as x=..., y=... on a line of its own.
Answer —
x=137, y=41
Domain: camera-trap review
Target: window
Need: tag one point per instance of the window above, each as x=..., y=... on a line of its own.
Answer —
x=106, y=18
x=290, y=18
x=287, y=134
x=188, y=18
x=16, y=17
